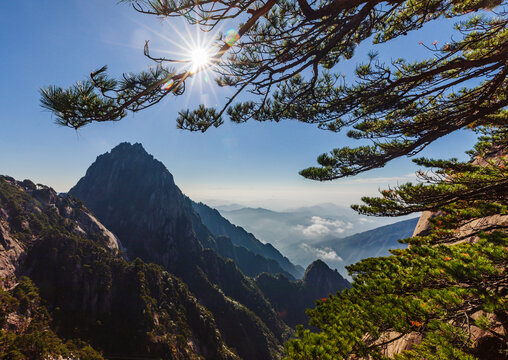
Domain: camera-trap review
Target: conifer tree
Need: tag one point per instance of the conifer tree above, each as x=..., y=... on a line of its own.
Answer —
x=285, y=54
x=448, y=291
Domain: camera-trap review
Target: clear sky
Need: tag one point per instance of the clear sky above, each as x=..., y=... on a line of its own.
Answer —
x=61, y=41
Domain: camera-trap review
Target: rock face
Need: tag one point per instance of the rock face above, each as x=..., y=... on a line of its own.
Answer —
x=122, y=309
x=37, y=199
x=466, y=232
x=135, y=196
x=11, y=251
x=292, y=298
x=220, y=226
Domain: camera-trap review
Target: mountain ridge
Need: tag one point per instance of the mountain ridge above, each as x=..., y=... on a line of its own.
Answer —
x=219, y=225
x=184, y=290
x=135, y=196
x=292, y=298
x=371, y=243
x=91, y=292
x=295, y=233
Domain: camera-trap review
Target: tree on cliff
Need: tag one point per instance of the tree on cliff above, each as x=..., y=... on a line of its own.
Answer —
x=448, y=291
x=441, y=289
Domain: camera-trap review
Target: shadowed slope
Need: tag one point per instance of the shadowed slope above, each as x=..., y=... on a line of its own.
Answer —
x=135, y=196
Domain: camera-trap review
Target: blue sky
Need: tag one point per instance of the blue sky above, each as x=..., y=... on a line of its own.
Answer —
x=61, y=41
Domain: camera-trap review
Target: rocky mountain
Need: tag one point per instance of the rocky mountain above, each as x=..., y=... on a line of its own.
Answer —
x=249, y=262
x=220, y=226
x=38, y=198
x=65, y=284
x=135, y=197
x=125, y=267
x=292, y=298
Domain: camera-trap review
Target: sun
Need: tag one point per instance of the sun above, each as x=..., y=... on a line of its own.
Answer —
x=193, y=55
x=200, y=59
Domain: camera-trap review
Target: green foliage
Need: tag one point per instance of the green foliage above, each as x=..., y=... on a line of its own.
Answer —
x=450, y=280
x=289, y=48
x=93, y=295
x=26, y=333
x=430, y=290
x=91, y=100
x=285, y=58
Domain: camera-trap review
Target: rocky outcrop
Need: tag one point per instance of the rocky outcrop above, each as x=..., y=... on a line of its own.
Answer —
x=468, y=231
x=11, y=251
x=487, y=346
x=35, y=199
x=319, y=279
x=87, y=223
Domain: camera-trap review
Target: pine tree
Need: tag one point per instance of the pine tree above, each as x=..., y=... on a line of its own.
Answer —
x=448, y=290
x=285, y=54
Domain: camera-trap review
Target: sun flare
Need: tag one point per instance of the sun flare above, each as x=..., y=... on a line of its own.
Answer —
x=196, y=58
x=200, y=58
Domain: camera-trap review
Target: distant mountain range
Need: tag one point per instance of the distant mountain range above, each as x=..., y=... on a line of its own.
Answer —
x=306, y=233
x=372, y=243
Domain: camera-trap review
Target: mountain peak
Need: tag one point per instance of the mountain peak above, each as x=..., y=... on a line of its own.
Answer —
x=125, y=146
x=318, y=266
x=132, y=156
x=291, y=298
x=319, y=274
x=128, y=177
x=135, y=196
x=126, y=162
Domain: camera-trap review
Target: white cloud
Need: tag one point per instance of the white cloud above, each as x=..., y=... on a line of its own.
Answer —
x=323, y=253
x=320, y=227
x=365, y=220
